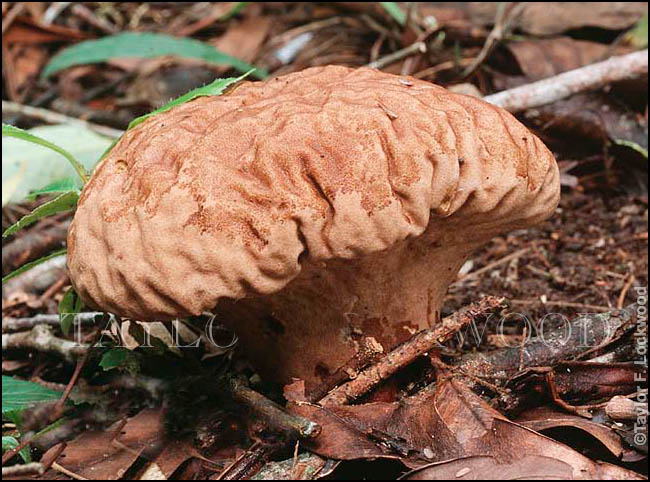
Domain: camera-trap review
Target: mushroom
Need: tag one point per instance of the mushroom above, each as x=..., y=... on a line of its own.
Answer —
x=314, y=213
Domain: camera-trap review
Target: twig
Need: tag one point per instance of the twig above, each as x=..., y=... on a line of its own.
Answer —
x=621, y=298
x=81, y=362
x=247, y=464
x=272, y=413
x=89, y=16
x=67, y=472
x=53, y=11
x=563, y=304
x=491, y=266
x=414, y=48
x=449, y=64
x=51, y=117
x=40, y=338
x=557, y=399
x=369, y=351
x=23, y=469
x=586, y=332
x=32, y=245
x=552, y=89
x=408, y=352
x=502, y=23
x=37, y=279
x=21, y=324
x=8, y=19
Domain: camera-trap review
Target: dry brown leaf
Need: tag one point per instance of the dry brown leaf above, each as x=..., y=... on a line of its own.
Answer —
x=445, y=423
x=25, y=30
x=543, y=58
x=108, y=454
x=544, y=418
x=244, y=39
x=491, y=468
x=550, y=18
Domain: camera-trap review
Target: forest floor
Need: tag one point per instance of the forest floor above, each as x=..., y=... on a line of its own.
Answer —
x=118, y=413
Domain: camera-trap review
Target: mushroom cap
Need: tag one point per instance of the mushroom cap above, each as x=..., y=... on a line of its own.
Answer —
x=226, y=197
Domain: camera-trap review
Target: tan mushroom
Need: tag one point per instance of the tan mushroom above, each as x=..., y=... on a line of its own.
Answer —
x=313, y=212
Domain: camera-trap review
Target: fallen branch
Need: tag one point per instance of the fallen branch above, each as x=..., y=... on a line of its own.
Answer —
x=10, y=325
x=590, y=77
x=587, y=333
x=408, y=352
x=51, y=117
x=24, y=469
x=417, y=47
x=272, y=413
x=40, y=338
x=502, y=26
x=491, y=266
x=34, y=244
x=37, y=279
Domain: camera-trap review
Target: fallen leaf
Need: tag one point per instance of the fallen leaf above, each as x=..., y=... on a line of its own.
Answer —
x=543, y=58
x=108, y=454
x=491, y=468
x=442, y=423
x=544, y=418
x=550, y=18
x=245, y=38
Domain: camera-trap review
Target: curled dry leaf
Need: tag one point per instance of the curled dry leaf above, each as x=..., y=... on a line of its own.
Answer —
x=594, y=116
x=442, y=423
x=545, y=418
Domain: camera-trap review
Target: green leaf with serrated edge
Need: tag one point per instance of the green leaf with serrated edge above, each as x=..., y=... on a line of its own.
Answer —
x=120, y=358
x=63, y=202
x=214, y=88
x=142, y=45
x=12, y=131
x=32, y=264
x=69, y=306
x=18, y=395
x=57, y=187
x=394, y=11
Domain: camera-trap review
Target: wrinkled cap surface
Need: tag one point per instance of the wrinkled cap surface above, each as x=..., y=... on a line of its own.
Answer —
x=227, y=196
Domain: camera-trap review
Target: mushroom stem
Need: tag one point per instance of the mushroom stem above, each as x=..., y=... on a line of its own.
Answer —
x=325, y=317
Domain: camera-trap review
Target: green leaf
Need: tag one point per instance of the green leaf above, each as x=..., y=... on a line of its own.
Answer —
x=30, y=265
x=238, y=7
x=394, y=11
x=10, y=443
x=142, y=45
x=12, y=131
x=214, y=88
x=18, y=395
x=632, y=145
x=57, y=187
x=63, y=202
x=120, y=358
x=69, y=306
x=27, y=167
x=638, y=36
